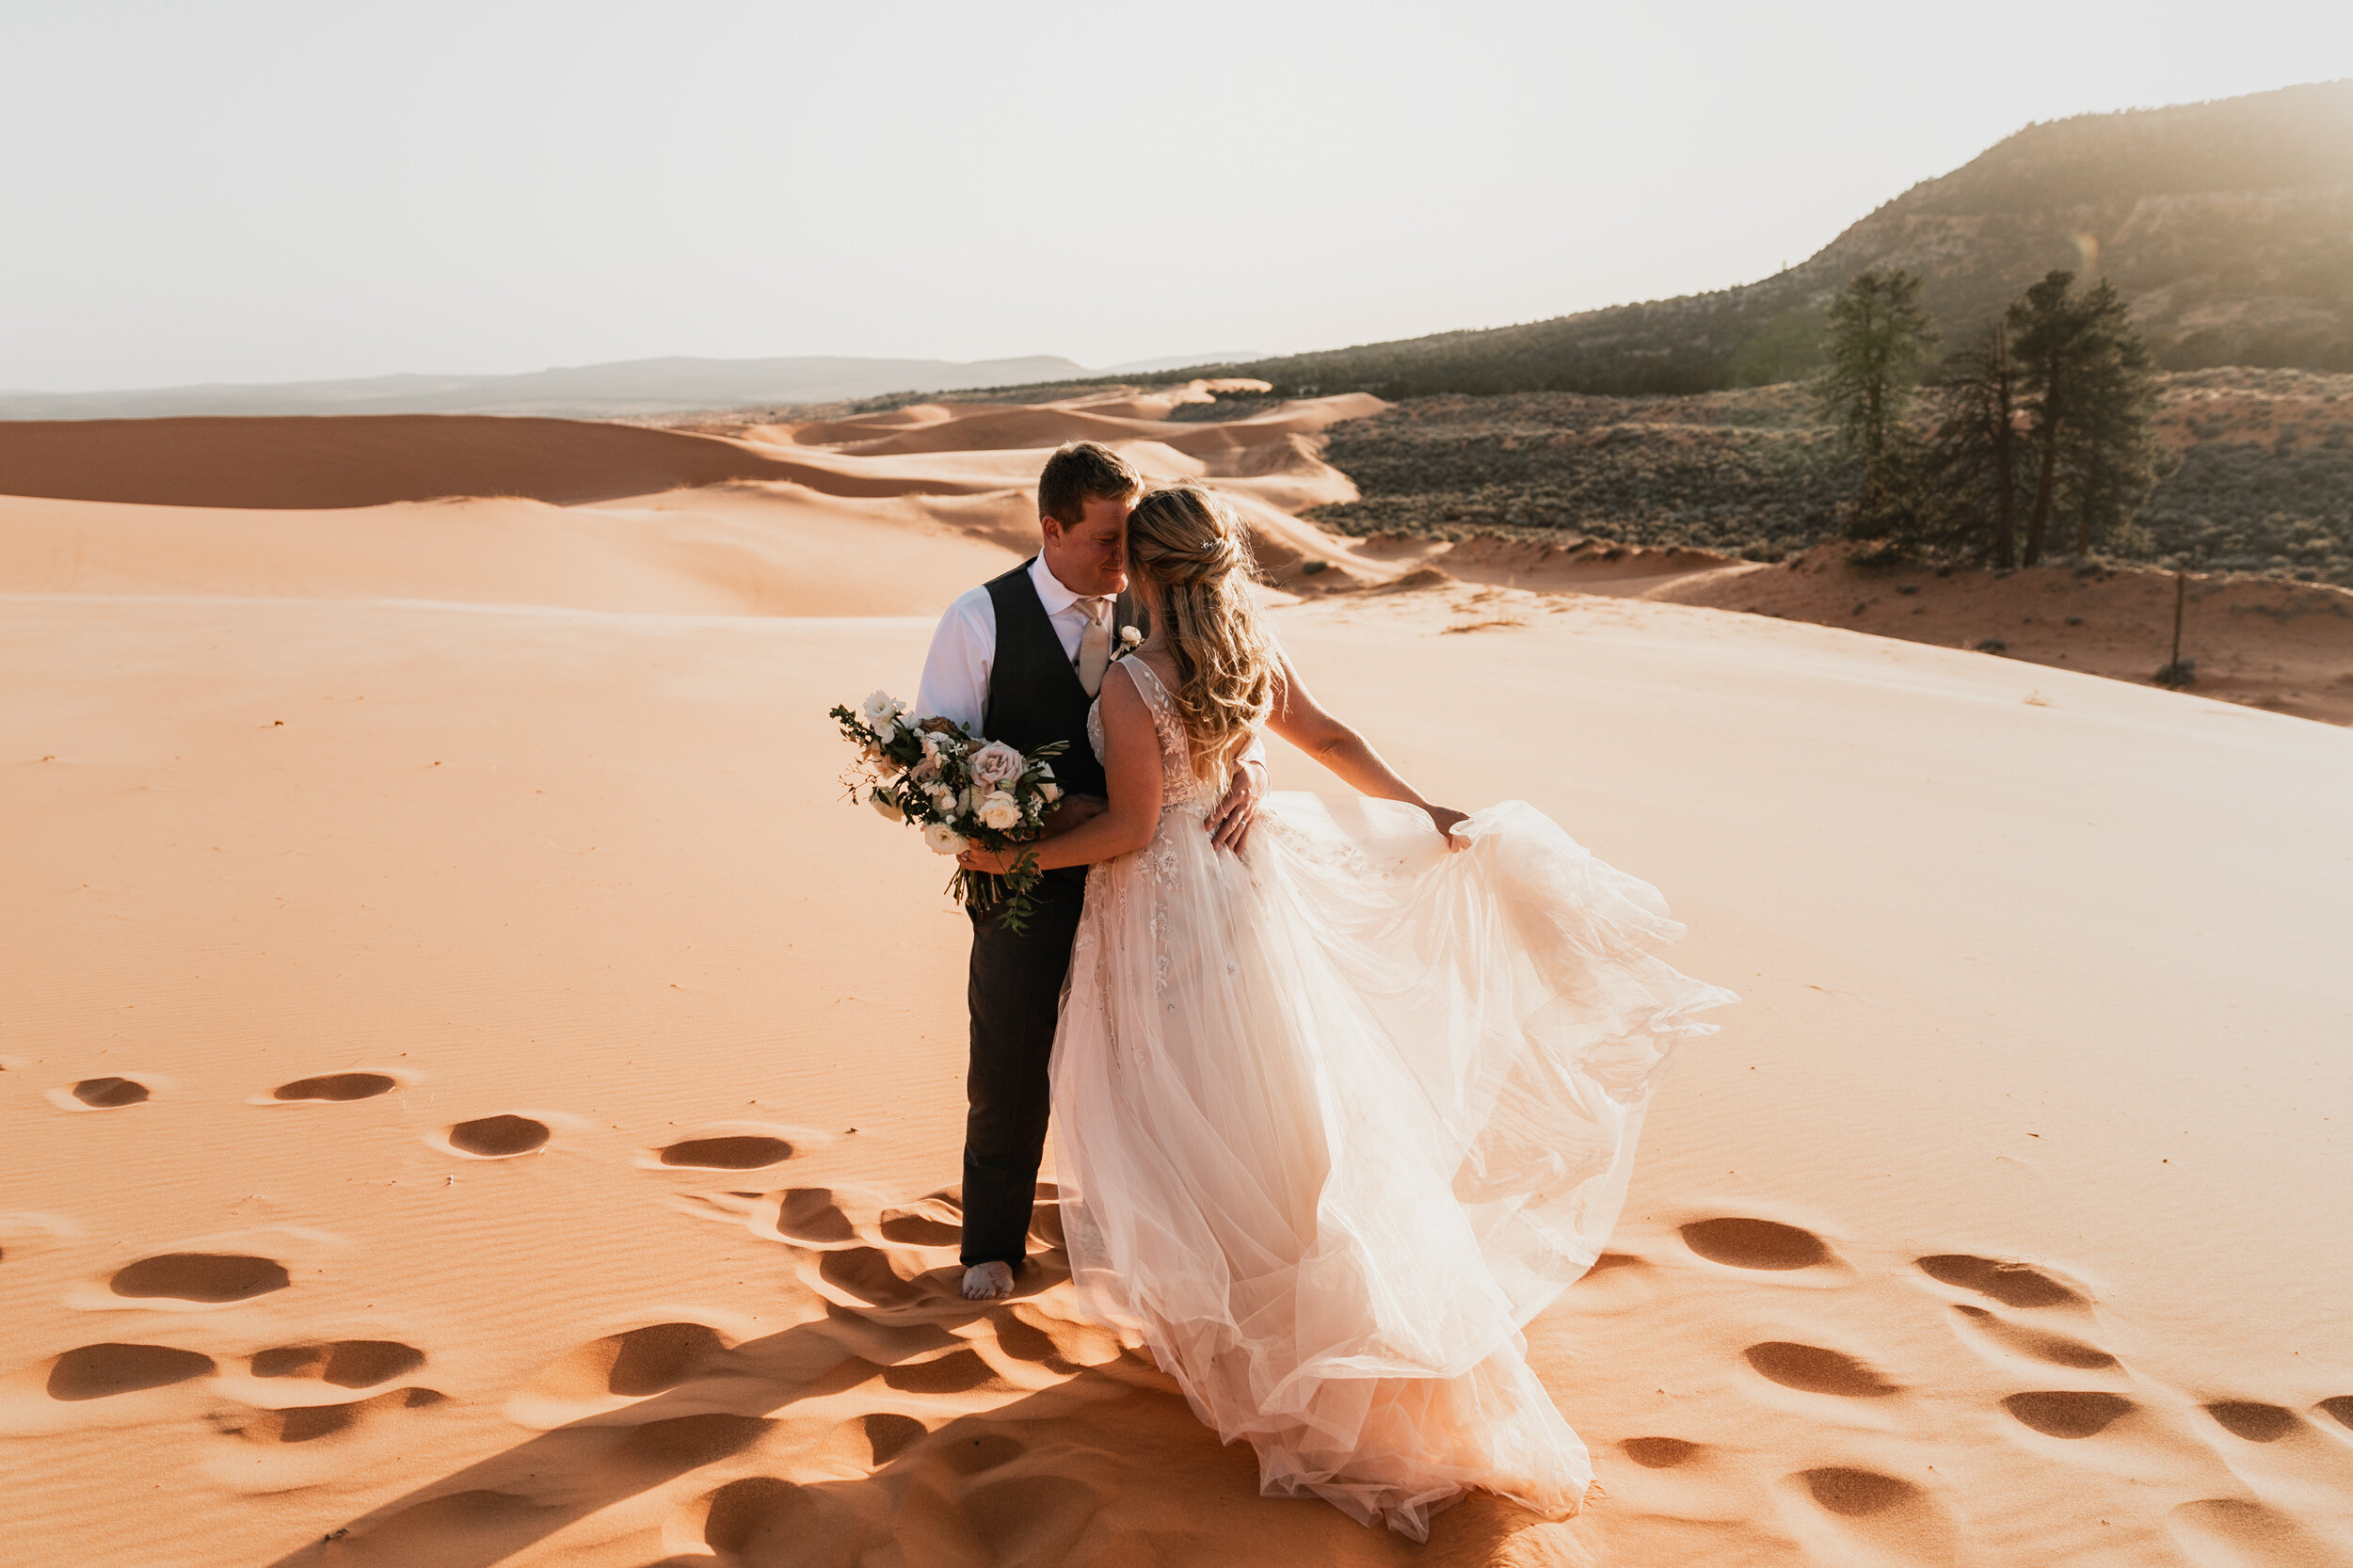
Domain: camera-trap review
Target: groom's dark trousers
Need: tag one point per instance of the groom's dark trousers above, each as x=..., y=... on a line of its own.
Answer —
x=1035, y=697
x=1014, y=992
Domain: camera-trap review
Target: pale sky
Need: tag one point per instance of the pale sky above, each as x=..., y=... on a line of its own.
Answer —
x=239, y=191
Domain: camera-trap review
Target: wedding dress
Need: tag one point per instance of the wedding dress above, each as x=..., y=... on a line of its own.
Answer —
x=1335, y=1117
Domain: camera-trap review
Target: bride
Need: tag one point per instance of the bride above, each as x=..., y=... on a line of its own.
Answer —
x=1338, y=1116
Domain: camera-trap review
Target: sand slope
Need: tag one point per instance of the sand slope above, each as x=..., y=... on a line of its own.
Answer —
x=472, y=1094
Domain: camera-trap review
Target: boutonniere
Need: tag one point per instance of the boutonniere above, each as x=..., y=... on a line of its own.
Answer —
x=1129, y=640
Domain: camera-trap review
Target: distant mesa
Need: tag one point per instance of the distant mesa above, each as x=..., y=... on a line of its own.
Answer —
x=612, y=391
x=107, y=1093
x=499, y=1137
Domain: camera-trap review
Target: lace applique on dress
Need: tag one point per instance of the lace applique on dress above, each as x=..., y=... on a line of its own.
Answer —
x=1178, y=787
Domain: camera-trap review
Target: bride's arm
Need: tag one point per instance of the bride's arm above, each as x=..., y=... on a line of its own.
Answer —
x=1302, y=721
x=1131, y=770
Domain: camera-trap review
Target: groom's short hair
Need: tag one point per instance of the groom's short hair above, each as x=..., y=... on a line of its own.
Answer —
x=1084, y=472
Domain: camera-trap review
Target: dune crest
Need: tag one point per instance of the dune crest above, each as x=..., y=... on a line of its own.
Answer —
x=888, y=514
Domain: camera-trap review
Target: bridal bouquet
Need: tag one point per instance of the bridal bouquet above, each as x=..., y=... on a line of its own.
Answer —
x=959, y=789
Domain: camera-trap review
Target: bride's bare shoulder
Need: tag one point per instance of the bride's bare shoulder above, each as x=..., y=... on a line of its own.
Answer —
x=1158, y=664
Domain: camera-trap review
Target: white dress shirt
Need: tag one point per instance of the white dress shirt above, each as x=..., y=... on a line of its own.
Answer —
x=963, y=648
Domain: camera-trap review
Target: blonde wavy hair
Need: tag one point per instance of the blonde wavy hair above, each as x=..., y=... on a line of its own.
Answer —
x=1190, y=545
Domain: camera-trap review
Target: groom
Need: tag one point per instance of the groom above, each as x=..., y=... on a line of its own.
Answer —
x=1019, y=660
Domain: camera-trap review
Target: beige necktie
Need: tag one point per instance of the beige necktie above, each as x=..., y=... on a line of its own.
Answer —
x=1095, y=644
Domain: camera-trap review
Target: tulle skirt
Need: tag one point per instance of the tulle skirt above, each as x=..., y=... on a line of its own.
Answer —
x=1333, y=1119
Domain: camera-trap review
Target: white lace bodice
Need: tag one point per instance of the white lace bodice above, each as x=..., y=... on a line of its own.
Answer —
x=1178, y=786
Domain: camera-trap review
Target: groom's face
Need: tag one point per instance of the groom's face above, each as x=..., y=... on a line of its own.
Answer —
x=1090, y=556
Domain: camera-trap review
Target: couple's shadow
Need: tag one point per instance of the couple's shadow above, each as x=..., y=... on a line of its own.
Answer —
x=906, y=1428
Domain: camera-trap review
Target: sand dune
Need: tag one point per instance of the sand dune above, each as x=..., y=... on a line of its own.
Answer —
x=472, y=1094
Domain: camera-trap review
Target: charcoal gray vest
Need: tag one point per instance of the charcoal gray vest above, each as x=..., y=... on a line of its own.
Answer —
x=1033, y=694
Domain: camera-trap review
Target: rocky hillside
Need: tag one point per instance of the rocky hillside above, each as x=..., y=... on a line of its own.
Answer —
x=2228, y=225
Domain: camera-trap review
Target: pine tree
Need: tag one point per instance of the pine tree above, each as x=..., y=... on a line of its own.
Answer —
x=2110, y=458
x=1878, y=340
x=2092, y=396
x=1980, y=453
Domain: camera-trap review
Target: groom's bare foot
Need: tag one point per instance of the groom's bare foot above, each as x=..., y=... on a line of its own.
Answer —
x=987, y=1282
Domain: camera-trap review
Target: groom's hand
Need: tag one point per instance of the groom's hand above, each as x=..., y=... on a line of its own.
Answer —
x=1069, y=812
x=1229, y=824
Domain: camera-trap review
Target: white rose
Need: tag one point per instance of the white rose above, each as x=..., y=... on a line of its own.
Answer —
x=1000, y=811
x=879, y=708
x=1130, y=635
x=996, y=762
x=881, y=801
x=1050, y=790
x=942, y=840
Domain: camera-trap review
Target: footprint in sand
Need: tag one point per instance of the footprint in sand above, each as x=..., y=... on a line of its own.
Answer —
x=306, y=1423
x=1030, y=1518
x=682, y=1443
x=499, y=1137
x=478, y=1526
x=889, y=1435
x=1889, y=1519
x=200, y=1276
x=957, y=1372
x=102, y=1371
x=866, y=1273
x=106, y=1094
x=810, y=1214
x=2033, y=1343
x=2011, y=1283
x=649, y=1360
x=1027, y=1342
x=969, y=1453
x=921, y=1226
x=727, y=1154
x=337, y=1086
x=344, y=1363
x=2252, y=1420
x=1817, y=1370
x=2069, y=1412
x=2246, y=1533
x=767, y=1522
x=1744, y=1243
x=1856, y=1493
x=1659, y=1453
